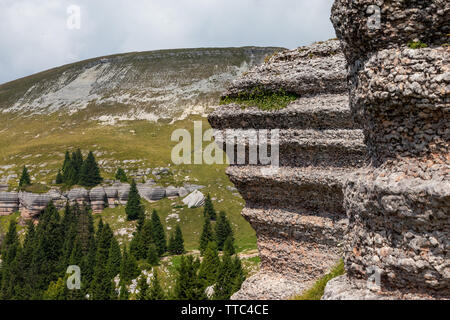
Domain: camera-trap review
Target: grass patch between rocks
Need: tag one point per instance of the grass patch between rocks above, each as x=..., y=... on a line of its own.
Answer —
x=264, y=100
x=316, y=291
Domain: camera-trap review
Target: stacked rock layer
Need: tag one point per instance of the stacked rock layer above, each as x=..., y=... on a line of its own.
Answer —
x=398, y=206
x=297, y=210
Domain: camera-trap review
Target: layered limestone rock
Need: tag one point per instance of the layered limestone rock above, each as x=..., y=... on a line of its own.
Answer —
x=31, y=205
x=399, y=206
x=297, y=210
x=9, y=203
x=97, y=197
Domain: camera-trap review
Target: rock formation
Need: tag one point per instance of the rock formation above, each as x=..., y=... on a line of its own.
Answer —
x=9, y=203
x=298, y=211
x=397, y=244
x=97, y=197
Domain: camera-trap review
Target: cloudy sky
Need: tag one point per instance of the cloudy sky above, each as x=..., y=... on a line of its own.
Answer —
x=39, y=34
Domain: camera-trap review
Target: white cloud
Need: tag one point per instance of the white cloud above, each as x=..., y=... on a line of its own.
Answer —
x=34, y=34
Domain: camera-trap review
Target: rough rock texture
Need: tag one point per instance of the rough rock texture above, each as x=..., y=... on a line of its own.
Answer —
x=31, y=205
x=399, y=206
x=297, y=211
x=194, y=200
x=9, y=203
x=97, y=199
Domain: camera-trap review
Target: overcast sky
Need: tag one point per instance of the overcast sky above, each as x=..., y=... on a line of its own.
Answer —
x=39, y=34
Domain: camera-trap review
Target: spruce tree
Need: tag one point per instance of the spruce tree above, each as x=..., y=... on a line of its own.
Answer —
x=187, y=284
x=206, y=236
x=158, y=234
x=178, y=246
x=238, y=274
x=128, y=269
x=152, y=255
x=124, y=293
x=90, y=172
x=101, y=286
x=156, y=292
x=228, y=247
x=24, y=178
x=208, y=211
x=77, y=163
x=223, y=230
x=114, y=259
x=224, y=287
x=66, y=167
x=134, y=208
x=59, y=178
x=10, y=251
x=172, y=247
x=121, y=175
x=210, y=265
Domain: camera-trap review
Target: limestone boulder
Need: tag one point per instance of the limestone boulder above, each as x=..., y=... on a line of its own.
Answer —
x=32, y=205
x=171, y=192
x=79, y=195
x=112, y=195
x=194, y=200
x=97, y=197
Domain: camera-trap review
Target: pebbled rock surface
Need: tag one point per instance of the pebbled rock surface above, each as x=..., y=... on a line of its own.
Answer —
x=296, y=210
x=399, y=206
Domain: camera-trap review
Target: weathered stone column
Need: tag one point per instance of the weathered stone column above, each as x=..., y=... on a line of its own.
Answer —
x=297, y=212
x=399, y=206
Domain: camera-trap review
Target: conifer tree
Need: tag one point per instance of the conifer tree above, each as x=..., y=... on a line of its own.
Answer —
x=228, y=247
x=224, y=286
x=171, y=246
x=56, y=290
x=134, y=208
x=187, y=285
x=158, y=234
x=143, y=288
x=10, y=251
x=24, y=178
x=90, y=172
x=206, y=236
x=152, y=255
x=128, y=269
x=208, y=210
x=124, y=293
x=77, y=163
x=178, y=247
x=156, y=292
x=209, y=267
x=65, y=167
x=223, y=230
x=59, y=178
x=101, y=286
x=114, y=259
x=121, y=175
x=238, y=274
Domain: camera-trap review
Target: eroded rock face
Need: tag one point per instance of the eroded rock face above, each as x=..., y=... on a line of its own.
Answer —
x=297, y=211
x=32, y=205
x=9, y=203
x=399, y=206
x=97, y=198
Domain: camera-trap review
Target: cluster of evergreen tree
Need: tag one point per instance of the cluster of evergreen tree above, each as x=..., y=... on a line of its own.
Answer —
x=149, y=240
x=37, y=268
x=222, y=234
x=121, y=175
x=225, y=275
x=76, y=170
x=208, y=211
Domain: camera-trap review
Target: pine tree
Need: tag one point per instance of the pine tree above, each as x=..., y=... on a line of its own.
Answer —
x=114, y=259
x=128, y=269
x=187, y=284
x=121, y=175
x=178, y=246
x=206, y=236
x=238, y=274
x=223, y=230
x=143, y=288
x=134, y=208
x=228, y=247
x=90, y=173
x=210, y=265
x=152, y=255
x=101, y=286
x=77, y=163
x=156, y=292
x=59, y=178
x=171, y=247
x=208, y=211
x=24, y=178
x=158, y=234
x=225, y=278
